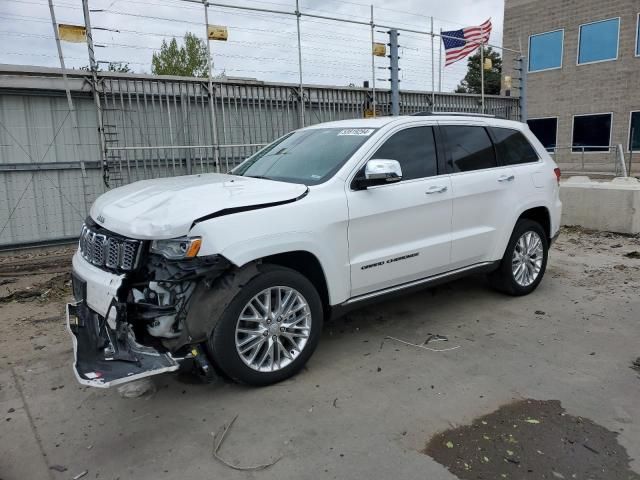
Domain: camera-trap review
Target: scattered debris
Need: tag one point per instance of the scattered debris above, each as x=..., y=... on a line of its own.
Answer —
x=636, y=364
x=57, y=287
x=421, y=346
x=633, y=254
x=7, y=281
x=540, y=312
x=218, y=444
x=81, y=474
x=435, y=338
x=508, y=443
x=58, y=468
x=137, y=388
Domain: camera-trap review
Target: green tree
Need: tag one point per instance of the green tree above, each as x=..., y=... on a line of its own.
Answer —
x=188, y=60
x=471, y=81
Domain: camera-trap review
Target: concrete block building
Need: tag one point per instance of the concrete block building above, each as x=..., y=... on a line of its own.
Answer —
x=583, y=76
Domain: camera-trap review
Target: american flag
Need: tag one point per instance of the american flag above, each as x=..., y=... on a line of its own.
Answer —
x=460, y=43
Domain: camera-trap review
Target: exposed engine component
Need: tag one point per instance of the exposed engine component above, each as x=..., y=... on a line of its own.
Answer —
x=162, y=304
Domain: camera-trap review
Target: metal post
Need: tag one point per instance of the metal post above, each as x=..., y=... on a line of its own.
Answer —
x=523, y=89
x=94, y=79
x=633, y=133
x=74, y=118
x=373, y=66
x=395, y=87
x=301, y=91
x=212, y=108
x=433, y=72
x=482, y=72
x=440, y=64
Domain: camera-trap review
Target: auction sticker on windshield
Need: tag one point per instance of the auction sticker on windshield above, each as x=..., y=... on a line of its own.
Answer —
x=361, y=132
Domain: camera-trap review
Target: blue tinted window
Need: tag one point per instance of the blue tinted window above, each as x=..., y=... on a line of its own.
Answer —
x=638, y=36
x=599, y=41
x=545, y=51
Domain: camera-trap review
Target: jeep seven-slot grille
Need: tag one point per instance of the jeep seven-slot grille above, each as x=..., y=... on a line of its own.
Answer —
x=109, y=251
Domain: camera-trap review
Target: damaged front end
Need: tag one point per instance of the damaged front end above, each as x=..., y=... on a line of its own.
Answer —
x=129, y=319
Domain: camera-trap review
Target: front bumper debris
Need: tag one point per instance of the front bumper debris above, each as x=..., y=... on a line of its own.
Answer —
x=105, y=357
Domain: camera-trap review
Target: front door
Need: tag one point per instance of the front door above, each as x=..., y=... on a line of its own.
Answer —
x=401, y=232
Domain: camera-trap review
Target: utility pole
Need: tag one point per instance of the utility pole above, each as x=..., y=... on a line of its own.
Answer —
x=301, y=90
x=212, y=93
x=521, y=68
x=94, y=78
x=395, y=81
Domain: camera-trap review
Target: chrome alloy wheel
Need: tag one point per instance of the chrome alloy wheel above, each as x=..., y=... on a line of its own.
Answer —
x=273, y=329
x=526, y=262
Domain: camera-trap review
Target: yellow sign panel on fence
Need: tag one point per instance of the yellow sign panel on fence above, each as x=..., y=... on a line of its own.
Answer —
x=379, y=49
x=217, y=32
x=72, y=33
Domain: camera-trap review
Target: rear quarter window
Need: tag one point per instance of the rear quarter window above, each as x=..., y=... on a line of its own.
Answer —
x=512, y=147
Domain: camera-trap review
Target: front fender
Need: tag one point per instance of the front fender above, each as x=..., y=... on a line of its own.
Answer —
x=336, y=272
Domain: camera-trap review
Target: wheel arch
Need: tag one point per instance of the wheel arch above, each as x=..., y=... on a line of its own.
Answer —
x=539, y=215
x=308, y=265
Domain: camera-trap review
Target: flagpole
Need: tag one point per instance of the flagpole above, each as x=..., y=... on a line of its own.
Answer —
x=481, y=71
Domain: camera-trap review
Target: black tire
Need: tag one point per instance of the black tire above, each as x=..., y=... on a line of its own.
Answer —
x=222, y=346
x=503, y=278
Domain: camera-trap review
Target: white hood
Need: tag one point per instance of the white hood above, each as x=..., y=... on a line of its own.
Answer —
x=166, y=207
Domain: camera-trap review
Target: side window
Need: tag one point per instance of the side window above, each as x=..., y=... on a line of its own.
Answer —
x=415, y=149
x=469, y=148
x=512, y=146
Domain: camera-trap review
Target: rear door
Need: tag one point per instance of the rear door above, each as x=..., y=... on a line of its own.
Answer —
x=483, y=192
x=401, y=231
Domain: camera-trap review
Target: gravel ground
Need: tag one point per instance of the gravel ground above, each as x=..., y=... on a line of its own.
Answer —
x=367, y=406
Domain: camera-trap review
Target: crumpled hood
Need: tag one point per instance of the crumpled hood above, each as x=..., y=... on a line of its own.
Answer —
x=167, y=207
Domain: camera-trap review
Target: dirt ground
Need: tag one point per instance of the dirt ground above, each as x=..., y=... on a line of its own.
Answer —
x=368, y=405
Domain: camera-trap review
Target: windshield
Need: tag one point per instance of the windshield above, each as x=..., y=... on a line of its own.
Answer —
x=309, y=157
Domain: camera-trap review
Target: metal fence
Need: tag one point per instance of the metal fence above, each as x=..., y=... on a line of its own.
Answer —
x=153, y=127
x=593, y=161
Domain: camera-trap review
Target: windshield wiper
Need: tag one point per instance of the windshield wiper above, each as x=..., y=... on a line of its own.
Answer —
x=258, y=176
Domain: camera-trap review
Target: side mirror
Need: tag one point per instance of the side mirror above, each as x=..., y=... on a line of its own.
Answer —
x=379, y=172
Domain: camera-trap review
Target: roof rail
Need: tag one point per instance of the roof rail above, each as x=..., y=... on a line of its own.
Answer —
x=451, y=114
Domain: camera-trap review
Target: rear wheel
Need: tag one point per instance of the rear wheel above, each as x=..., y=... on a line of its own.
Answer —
x=524, y=261
x=270, y=328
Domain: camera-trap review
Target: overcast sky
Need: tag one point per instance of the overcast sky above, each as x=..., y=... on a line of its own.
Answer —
x=260, y=45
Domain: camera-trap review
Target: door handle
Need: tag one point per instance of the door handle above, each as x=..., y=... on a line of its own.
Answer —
x=436, y=189
x=506, y=178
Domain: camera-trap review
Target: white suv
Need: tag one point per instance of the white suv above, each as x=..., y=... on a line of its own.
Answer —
x=239, y=270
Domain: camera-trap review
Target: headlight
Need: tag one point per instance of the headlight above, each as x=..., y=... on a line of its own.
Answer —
x=177, y=248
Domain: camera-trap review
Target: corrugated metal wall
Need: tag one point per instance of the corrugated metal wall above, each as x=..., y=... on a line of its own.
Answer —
x=153, y=127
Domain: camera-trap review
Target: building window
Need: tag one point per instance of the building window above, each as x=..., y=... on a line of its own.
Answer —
x=546, y=130
x=591, y=133
x=598, y=41
x=634, y=132
x=545, y=51
x=638, y=37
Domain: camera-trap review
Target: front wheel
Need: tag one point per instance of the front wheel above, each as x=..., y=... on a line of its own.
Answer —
x=524, y=261
x=270, y=328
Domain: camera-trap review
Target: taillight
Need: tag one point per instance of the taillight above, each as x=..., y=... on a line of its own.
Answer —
x=558, y=173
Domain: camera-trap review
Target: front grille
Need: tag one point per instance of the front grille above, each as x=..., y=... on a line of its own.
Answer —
x=103, y=249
